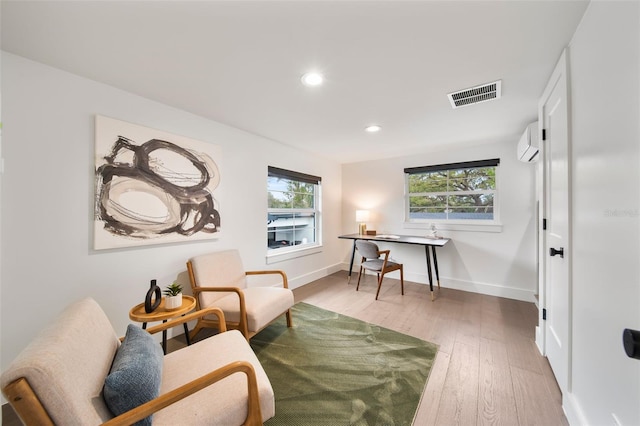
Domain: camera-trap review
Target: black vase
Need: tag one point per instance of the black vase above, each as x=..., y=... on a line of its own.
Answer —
x=154, y=289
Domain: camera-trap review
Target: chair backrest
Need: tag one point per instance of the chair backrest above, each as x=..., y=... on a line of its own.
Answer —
x=67, y=363
x=217, y=269
x=367, y=249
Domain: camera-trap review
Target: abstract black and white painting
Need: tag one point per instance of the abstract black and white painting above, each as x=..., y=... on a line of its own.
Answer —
x=152, y=187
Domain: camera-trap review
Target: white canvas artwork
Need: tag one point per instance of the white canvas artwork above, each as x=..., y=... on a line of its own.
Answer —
x=152, y=187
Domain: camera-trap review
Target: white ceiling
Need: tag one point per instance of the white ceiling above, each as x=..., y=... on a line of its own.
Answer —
x=386, y=62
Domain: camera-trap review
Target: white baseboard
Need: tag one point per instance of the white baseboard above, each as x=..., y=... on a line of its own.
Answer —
x=470, y=286
x=456, y=284
x=489, y=289
x=572, y=410
x=540, y=340
x=301, y=280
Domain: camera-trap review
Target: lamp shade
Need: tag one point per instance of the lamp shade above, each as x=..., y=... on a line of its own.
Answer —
x=362, y=215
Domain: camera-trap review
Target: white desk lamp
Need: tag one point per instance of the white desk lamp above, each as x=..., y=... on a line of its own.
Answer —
x=362, y=216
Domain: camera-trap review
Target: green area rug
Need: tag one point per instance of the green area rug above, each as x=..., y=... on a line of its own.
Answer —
x=330, y=369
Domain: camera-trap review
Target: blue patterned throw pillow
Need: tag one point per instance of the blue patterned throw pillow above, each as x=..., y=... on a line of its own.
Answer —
x=135, y=374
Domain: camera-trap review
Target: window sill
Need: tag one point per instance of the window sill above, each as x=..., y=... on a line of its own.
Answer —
x=275, y=256
x=447, y=226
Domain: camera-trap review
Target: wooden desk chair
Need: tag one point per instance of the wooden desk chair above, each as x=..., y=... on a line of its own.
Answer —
x=371, y=261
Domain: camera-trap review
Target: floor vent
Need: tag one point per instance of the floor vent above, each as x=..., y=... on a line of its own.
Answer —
x=475, y=95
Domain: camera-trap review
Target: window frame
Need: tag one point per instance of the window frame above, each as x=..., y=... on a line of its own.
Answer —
x=488, y=225
x=296, y=250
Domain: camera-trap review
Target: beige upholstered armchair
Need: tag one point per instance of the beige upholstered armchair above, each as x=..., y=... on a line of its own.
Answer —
x=77, y=372
x=219, y=279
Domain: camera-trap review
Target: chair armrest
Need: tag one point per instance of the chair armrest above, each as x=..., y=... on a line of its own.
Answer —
x=386, y=257
x=285, y=281
x=254, y=415
x=26, y=403
x=199, y=290
x=243, y=326
x=237, y=290
x=190, y=317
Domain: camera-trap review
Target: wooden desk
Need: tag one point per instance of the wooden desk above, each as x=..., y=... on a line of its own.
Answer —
x=403, y=239
x=137, y=313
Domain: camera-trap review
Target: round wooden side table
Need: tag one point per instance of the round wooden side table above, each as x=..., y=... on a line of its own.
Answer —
x=137, y=313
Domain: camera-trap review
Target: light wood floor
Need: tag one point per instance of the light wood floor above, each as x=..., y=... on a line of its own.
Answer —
x=488, y=370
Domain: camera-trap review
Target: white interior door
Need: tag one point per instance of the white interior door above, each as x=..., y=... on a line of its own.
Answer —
x=556, y=258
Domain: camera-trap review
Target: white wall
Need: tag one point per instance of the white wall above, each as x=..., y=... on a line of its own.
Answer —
x=47, y=210
x=604, y=62
x=495, y=263
x=1, y=173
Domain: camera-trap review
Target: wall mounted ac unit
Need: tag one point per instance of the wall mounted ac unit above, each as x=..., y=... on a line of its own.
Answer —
x=529, y=144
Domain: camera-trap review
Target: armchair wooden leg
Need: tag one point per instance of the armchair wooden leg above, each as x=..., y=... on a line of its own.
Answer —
x=195, y=330
x=289, y=320
x=244, y=330
x=401, y=280
x=359, y=275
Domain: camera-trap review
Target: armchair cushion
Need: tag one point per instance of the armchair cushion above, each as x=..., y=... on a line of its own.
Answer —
x=263, y=305
x=136, y=373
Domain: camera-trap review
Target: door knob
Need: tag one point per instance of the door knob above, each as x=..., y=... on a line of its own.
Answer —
x=553, y=252
x=631, y=341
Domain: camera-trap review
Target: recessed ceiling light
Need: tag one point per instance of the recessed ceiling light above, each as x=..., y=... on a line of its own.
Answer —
x=373, y=128
x=312, y=79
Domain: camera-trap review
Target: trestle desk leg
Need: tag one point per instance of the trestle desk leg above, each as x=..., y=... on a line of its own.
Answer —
x=426, y=252
x=435, y=264
x=353, y=255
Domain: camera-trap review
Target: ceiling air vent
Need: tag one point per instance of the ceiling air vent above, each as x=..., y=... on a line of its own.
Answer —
x=475, y=95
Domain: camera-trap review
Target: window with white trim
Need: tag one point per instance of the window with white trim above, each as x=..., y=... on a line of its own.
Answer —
x=293, y=210
x=452, y=193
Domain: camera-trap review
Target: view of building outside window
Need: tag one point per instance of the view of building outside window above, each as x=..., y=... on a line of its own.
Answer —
x=466, y=193
x=293, y=212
